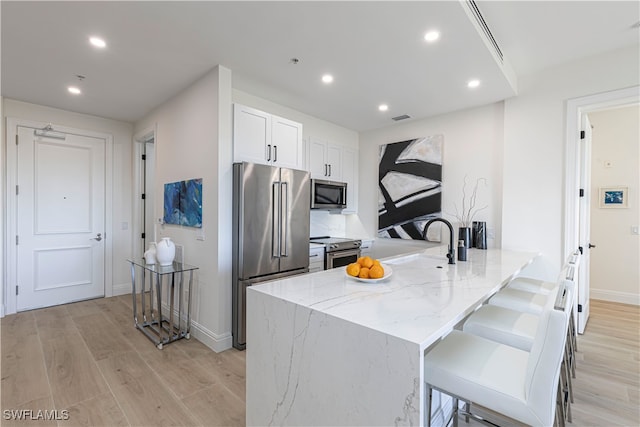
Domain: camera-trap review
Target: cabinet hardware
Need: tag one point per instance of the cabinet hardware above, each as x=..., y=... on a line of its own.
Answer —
x=268, y=152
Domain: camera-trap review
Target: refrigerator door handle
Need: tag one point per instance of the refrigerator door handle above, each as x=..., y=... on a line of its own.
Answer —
x=276, y=220
x=284, y=195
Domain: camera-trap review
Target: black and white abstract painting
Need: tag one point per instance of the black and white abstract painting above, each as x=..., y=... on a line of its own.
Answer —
x=410, y=187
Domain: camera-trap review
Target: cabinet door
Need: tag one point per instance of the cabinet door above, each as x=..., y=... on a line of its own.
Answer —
x=316, y=160
x=251, y=135
x=350, y=176
x=286, y=142
x=334, y=162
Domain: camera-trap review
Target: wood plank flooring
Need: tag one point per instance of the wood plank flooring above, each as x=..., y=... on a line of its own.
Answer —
x=86, y=358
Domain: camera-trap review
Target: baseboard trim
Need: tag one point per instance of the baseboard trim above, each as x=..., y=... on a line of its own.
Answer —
x=212, y=340
x=121, y=289
x=614, y=296
x=215, y=342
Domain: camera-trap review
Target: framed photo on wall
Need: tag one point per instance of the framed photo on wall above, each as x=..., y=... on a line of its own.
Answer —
x=614, y=197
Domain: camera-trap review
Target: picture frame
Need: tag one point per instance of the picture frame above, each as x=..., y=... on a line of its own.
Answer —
x=614, y=197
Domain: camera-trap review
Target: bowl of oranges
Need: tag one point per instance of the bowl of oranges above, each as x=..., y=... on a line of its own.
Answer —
x=367, y=269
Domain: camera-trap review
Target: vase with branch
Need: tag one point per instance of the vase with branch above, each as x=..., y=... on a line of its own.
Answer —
x=468, y=210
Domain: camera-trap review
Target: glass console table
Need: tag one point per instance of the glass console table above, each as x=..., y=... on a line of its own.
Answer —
x=162, y=329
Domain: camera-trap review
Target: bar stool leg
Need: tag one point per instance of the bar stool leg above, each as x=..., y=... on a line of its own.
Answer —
x=430, y=393
x=455, y=412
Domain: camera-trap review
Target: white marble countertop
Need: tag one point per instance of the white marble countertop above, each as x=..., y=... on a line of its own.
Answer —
x=423, y=298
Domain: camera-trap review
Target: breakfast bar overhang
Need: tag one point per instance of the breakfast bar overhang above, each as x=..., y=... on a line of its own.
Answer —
x=324, y=349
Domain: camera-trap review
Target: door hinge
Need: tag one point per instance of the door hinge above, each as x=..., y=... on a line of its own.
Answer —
x=17, y=190
x=143, y=196
x=16, y=289
x=580, y=249
x=579, y=308
x=17, y=240
x=142, y=236
x=582, y=192
x=144, y=157
x=582, y=135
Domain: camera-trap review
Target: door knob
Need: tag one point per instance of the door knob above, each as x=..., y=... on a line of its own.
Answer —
x=591, y=246
x=98, y=237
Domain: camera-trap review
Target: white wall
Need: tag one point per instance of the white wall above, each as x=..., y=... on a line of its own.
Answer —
x=472, y=146
x=122, y=172
x=615, y=262
x=193, y=140
x=534, y=144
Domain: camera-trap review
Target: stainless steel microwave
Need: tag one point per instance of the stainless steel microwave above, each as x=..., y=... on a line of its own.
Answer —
x=328, y=195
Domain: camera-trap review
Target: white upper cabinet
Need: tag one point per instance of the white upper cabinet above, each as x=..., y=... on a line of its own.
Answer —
x=325, y=160
x=260, y=137
x=286, y=142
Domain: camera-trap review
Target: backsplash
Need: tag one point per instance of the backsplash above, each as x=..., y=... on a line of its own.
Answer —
x=324, y=223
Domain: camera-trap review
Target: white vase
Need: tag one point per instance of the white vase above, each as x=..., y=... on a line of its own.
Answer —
x=165, y=251
x=150, y=254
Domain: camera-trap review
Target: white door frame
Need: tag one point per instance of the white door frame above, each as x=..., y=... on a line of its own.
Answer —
x=11, y=224
x=576, y=108
x=139, y=139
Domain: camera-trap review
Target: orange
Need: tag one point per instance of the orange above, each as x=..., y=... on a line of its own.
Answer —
x=376, y=262
x=361, y=261
x=364, y=273
x=367, y=262
x=376, y=272
x=353, y=269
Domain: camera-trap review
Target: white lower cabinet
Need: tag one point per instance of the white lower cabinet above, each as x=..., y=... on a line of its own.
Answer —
x=316, y=258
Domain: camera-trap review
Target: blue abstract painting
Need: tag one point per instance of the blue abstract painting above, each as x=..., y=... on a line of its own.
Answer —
x=183, y=203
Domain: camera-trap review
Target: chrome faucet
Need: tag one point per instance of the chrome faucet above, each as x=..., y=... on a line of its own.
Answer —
x=451, y=254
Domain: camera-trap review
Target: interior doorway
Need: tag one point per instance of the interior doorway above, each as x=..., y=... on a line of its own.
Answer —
x=144, y=206
x=577, y=175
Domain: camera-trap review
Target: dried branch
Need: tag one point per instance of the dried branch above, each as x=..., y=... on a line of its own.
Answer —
x=466, y=215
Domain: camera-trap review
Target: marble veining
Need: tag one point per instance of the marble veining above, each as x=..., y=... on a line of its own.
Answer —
x=323, y=349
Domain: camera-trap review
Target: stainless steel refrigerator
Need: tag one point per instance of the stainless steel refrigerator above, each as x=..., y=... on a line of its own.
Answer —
x=270, y=231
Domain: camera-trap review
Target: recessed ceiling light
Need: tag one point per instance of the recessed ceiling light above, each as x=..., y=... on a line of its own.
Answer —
x=432, y=36
x=383, y=107
x=98, y=42
x=327, y=78
x=74, y=90
x=473, y=83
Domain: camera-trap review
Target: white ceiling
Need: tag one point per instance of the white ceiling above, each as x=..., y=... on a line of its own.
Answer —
x=375, y=50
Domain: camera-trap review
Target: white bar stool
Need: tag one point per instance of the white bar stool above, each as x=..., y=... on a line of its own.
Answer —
x=517, y=384
x=518, y=329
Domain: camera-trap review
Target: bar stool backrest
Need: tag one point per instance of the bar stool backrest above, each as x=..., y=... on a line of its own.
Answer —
x=543, y=366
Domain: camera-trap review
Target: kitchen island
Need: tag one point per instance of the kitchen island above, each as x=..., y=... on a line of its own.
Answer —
x=325, y=349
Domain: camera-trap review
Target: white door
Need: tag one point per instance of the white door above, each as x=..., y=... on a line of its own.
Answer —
x=584, y=230
x=60, y=218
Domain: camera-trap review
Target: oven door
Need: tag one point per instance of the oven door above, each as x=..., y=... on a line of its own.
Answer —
x=341, y=258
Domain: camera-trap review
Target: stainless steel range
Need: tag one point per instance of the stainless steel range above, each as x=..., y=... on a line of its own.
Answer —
x=338, y=251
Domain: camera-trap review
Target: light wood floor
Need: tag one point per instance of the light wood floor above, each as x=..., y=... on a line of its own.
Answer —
x=88, y=359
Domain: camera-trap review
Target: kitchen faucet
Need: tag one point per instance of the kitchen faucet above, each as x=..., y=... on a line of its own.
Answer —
x=451, y=252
